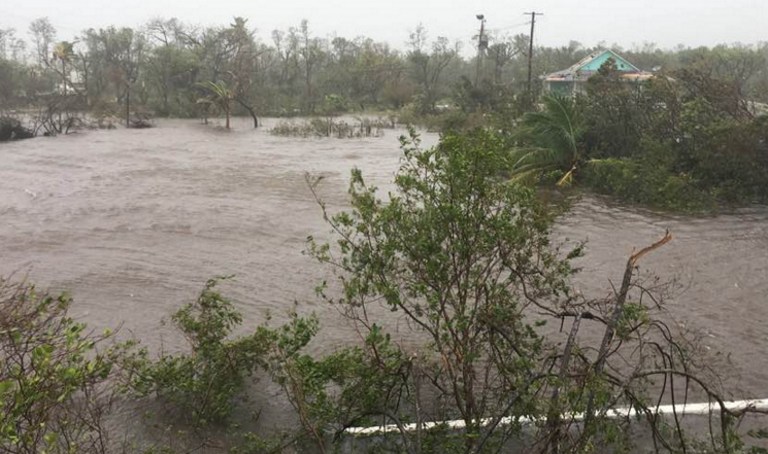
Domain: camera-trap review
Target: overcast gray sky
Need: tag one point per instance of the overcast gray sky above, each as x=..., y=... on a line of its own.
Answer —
x=624, y=22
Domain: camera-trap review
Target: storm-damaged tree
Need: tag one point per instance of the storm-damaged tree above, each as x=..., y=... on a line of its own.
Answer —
x=464, y=258
x=171, y=67
x=427, y=65
x=244, y=65
x=43, y=34
x=219, y=96
x=115, y=58
x=312, y=55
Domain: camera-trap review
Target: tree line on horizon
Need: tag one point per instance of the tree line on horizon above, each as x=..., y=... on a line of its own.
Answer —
x=165, y=67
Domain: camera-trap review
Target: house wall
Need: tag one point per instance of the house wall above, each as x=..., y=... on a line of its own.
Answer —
x=559, y=88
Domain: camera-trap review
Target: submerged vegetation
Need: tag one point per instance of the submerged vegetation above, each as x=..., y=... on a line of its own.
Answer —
x=460, y=253
x=331, y=127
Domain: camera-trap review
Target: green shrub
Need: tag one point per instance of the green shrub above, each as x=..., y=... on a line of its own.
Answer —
x=328, y=127
x=52, y=376
x=202, y=383
x=634, y=181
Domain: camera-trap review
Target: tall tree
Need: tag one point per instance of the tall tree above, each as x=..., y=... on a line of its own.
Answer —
x=43, y=35
x=312, y=54
x=244, y=65
x=427, y=66
x=64, y=53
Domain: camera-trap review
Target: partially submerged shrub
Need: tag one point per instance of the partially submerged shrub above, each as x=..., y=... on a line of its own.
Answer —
x=12, y=129
x=634, y=181
x=464, y=258
x=330, y=127
x=52, y=376
x=202, y=383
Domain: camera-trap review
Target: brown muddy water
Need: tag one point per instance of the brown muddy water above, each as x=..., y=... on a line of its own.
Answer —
x=132, y=223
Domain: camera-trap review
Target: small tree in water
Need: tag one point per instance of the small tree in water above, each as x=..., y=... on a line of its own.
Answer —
x=456, y=251
x=220, y=96
x=465, y=258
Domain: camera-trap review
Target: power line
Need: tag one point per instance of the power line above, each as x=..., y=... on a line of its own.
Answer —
x=508, y=27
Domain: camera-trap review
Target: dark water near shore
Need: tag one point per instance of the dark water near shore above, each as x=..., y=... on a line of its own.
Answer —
x=132, y=223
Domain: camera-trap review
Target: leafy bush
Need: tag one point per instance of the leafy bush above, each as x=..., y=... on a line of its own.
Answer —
x=350, y=386
x=731, y=159
x=464, y=257
x=633, y=181
x=328, y=127
x=53, y=395
x=454, y=249
x=203, y=383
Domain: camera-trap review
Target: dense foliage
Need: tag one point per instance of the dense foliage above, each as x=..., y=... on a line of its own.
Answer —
x=202, y=383
x=683, y=140
x=166, y=66
x=53, y=377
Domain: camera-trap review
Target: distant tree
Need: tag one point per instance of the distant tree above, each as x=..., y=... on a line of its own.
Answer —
x=428, y=66
x=617, y=113
x=11, y=47
x=64, y=53
x=312, y=54
x=243, y=65
x=721, y=76
x=501, y=53
x=43, y=35
x=172, y=66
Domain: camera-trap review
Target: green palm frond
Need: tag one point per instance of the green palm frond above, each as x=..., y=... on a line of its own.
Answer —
x=557, y=126
x=554, y=133
x=216, y=90
x=219, y=95
x=536, y=158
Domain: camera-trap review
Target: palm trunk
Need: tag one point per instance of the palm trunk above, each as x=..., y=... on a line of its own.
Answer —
x=128, y=106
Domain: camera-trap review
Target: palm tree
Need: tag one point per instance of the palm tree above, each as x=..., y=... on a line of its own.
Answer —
x=554, y=134
x=64, y=52
x=220, y=96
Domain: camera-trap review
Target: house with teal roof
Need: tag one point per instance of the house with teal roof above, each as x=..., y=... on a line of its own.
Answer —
x=573, y=80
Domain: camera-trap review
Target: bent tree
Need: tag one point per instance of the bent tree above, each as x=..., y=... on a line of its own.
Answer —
x=464, y=258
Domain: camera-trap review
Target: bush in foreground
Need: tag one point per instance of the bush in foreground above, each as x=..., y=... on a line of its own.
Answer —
x=54, y=392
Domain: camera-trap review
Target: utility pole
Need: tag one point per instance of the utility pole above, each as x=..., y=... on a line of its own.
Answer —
x=481, y=45
x=530, y=53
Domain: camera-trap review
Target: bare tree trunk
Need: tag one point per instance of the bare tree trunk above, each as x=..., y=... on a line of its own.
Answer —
x=128, y=106
x=250, y=110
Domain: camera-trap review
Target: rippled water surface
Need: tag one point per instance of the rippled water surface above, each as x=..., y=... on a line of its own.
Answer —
x=132, y=223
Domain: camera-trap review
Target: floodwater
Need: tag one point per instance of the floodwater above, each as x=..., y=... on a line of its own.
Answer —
x=133, y=222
